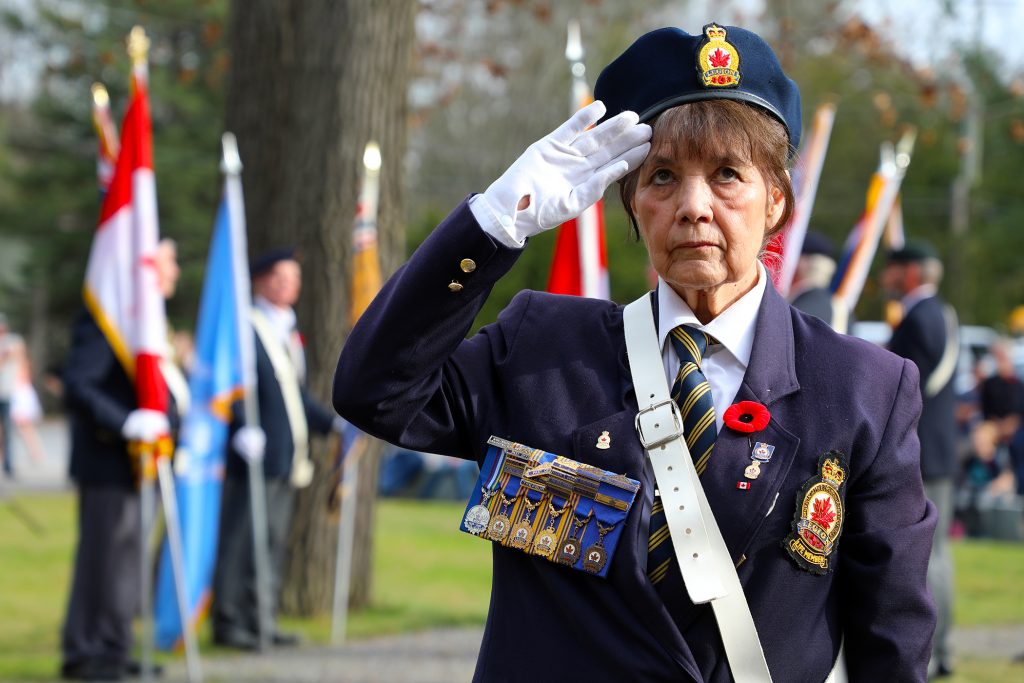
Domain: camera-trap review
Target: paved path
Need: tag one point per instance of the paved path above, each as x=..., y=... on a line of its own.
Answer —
x=449, y=656
x=439, y=656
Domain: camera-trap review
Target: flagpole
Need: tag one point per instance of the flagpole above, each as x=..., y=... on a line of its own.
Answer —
x=147, y=510
x=232, y=168
x=586, y=223
x=366, y=283
x=168, y=497
x=138, y=50
x=892, y=169
x=812, y=161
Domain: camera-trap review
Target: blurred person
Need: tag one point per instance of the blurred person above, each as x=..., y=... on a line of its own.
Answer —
x=701, y=152
x=100, y=396
x=811, y=291
x=8, y=373
x=286, y=416
x=26, y=411
x=927, y=334
x=1001, y=394
x=986, y=475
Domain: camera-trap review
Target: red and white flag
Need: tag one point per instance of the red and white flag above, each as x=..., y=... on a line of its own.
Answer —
x=580, y=262
x=784, y=249
x=121, y=290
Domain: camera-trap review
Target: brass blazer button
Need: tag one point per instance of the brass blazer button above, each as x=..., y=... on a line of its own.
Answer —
x=467, y=265
x=455, y=286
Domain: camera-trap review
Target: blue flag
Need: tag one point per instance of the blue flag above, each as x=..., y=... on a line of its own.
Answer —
x=219, y=377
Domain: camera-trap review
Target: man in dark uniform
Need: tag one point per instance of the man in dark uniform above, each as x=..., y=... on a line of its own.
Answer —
x=287, y=414
x=96, y=640
x=927, y=334
x=811, y=292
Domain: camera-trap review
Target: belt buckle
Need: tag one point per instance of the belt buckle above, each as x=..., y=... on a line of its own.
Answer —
x=659, y=434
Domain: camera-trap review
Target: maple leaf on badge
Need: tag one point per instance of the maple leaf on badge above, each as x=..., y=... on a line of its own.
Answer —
x=719, y=58
x=823, y=513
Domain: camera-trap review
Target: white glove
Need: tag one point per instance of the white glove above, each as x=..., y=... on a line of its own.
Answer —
x=560, y=175
x=145, y=425
x=250, y=443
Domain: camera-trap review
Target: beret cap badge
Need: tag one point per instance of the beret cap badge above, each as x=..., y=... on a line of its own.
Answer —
x=718, y=61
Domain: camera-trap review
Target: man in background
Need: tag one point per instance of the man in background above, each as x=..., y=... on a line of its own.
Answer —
x=928, y=335
x=280, y=442
x=96, y=641
x=811, y=291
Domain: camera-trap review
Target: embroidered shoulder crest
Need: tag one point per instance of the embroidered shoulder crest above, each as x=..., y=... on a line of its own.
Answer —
x=818, y=521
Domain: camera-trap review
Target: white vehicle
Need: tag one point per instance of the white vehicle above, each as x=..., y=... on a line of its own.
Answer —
x=975, y=341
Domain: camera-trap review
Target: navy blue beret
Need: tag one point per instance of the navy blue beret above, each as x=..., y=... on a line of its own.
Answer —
x=913, y=252
x=669, y=67
x=268, y=259
x=816, y=243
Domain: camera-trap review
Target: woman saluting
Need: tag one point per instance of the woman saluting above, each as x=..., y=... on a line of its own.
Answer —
x=774, y=513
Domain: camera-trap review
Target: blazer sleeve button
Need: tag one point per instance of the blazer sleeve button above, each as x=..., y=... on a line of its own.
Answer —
x=467, y=265
x=454, y=286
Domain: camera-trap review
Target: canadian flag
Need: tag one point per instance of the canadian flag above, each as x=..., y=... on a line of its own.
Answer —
x=580, y=262
x=121, y=290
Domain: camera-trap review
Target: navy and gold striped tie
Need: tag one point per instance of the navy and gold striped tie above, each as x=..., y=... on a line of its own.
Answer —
x=692, y=393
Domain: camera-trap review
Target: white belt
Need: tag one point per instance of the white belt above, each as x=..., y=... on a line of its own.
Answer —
x=704, y=560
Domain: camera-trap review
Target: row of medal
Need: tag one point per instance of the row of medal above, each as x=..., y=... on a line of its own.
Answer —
x=549, y=506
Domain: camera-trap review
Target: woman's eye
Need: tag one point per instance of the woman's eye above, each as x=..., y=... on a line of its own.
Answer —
x=661, y=177
x=727, y=173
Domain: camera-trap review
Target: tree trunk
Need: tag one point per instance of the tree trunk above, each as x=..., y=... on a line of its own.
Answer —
x=311, y=83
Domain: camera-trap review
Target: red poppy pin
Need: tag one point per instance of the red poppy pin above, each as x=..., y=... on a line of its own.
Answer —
x=747, y=417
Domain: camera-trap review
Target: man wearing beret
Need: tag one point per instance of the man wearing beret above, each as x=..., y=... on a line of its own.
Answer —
x=102, y=405
x=928, y=334
x=281, y=442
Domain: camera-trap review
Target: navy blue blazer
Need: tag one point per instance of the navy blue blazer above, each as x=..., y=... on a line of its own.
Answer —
x=99, y=395
x=280, y=449
x=552, y=373
x=921, y=337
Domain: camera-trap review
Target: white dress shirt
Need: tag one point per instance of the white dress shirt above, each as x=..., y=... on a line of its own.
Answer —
x=724, y=363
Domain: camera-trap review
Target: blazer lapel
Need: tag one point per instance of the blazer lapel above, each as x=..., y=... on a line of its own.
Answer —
x=770, y=376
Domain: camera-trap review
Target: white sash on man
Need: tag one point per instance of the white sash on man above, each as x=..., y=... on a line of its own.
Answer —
x=288, y=380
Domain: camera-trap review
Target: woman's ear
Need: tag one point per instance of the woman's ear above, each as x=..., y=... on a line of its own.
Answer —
x=776, y=207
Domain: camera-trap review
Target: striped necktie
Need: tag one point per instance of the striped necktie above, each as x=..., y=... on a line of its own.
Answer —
x=692, y=393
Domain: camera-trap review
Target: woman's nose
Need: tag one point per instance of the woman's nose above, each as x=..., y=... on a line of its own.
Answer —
x=693, y=201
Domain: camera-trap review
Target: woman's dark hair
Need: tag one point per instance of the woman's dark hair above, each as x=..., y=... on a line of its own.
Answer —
x=704, y=129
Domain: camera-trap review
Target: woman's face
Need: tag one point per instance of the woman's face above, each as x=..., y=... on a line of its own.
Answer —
x=704, y=220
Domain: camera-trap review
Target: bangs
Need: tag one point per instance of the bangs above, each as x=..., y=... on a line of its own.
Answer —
x=721, y=129
x=702, y=133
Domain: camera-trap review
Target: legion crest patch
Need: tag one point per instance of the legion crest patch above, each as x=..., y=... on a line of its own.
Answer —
x=718, y=61
x=818, y=521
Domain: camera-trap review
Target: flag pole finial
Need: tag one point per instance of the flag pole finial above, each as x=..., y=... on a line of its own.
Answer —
x=99, y=95
x=230, y=162
x=573, y=43
x=371, y=157
x=138, y=45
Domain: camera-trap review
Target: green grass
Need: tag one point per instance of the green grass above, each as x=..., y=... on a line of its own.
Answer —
x=428, y=574
x=989, y=583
